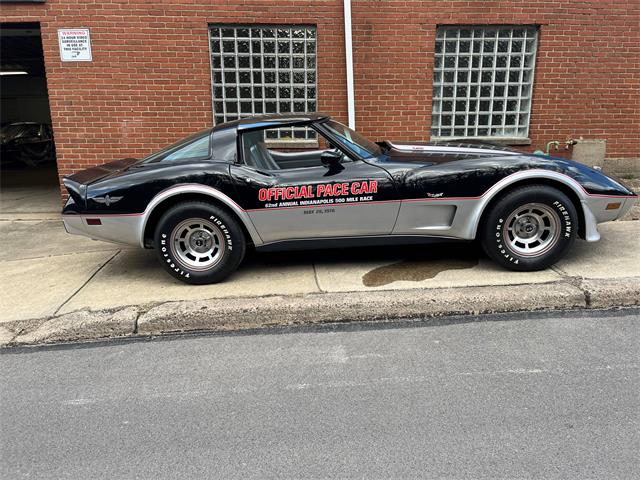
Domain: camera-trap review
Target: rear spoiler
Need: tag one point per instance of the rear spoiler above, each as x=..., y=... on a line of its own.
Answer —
x=77, y=190
x=93, y=174
x=76, y=184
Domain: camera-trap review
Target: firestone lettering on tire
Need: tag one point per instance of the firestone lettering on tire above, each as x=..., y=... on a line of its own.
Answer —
x=501, y=246
x=165, y=254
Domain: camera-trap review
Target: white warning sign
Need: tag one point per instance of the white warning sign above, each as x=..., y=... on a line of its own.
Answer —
x=75, y=45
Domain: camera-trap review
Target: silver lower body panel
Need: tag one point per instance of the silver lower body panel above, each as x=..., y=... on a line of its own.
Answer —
x=459, y=218
x=454, y=219
x=122, y=229
x=595, y=212
x=331, y=220
x=439, y=218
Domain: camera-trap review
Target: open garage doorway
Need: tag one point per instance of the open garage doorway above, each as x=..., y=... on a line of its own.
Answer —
x=28, y=174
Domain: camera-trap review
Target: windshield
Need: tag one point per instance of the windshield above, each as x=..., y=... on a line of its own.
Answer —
x=194, y=146
x=18, y=130
x=351, y=139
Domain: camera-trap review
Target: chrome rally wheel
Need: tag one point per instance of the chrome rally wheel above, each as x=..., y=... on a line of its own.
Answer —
x=197, y=243
x=531, y=230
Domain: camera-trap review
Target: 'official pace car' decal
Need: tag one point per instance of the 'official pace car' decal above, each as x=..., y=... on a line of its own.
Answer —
x=320, y=194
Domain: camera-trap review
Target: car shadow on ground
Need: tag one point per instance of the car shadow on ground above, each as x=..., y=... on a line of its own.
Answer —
x=455, y=252
x=367, y=266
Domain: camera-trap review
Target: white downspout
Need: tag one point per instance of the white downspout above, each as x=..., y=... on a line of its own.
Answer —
x=348, y=46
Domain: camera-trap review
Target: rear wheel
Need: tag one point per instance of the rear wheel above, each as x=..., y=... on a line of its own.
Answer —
x=530, y=228
x=199, y=243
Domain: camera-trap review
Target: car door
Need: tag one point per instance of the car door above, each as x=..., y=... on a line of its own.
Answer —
x=352, y=198
x=34, y=138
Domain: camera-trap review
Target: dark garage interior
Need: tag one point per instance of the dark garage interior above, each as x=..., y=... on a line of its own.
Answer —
x=28, y=163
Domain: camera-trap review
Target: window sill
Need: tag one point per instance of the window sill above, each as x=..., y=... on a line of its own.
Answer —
x=499, y=140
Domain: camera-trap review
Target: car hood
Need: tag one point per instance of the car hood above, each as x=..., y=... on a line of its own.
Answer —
x=438, y=159
x=442, y=152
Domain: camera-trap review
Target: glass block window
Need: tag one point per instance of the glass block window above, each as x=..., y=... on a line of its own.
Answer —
x=261, y=70
x=483, y=81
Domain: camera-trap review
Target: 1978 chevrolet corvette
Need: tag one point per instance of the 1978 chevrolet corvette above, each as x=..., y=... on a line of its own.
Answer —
x=202, y=201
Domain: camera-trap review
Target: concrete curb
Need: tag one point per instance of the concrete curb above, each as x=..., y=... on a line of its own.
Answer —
x=83, y=325
x=605, y=293
x=237, y=313
x=244, y=313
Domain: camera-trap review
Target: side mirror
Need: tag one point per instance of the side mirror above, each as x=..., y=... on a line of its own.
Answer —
x=331, y=158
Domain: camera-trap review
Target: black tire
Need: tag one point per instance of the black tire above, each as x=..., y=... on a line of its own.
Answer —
x=195, y=257
x=530, y=228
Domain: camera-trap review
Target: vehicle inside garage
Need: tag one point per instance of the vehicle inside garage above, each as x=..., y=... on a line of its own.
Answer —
x=27, y=159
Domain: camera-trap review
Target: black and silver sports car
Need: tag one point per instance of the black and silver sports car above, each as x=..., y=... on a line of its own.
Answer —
x=28, y=142
x=202, y=201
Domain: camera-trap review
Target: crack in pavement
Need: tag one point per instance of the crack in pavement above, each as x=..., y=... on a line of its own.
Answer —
x=315, y=277
x=574, y=281
x=107, y=249
x=86, y=282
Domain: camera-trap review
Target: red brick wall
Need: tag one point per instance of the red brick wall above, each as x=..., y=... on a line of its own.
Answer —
x=149, y=82
x=587, y=79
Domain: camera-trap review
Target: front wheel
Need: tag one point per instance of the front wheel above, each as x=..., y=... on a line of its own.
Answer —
x=530, y=228
x=199, y=242
x=33, y=157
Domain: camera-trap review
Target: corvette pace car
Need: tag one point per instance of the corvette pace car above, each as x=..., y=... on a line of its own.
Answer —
x=204, y=200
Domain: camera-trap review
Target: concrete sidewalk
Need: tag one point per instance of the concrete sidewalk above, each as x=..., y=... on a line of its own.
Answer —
x=59, y=287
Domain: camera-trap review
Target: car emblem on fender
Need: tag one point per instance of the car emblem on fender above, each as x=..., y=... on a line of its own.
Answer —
x=107, y=200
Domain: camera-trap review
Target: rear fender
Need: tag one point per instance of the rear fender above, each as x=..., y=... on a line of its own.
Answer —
x=202, y=190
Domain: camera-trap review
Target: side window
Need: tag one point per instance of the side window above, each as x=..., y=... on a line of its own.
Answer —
x=197, y=149
x=267, y=150
x=294, y=139
x=195, y=146
x=33, y=131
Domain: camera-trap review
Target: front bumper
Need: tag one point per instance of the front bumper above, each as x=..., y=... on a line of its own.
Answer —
x=628, y=204
x=596, y=211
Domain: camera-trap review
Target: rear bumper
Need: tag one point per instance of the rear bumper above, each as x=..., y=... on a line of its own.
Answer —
x=121, y=229
x=73, y=224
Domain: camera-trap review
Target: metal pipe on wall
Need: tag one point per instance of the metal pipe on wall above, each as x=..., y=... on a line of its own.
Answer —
x=351, y=106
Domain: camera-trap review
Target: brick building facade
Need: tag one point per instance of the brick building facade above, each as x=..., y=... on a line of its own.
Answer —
x=150, y=81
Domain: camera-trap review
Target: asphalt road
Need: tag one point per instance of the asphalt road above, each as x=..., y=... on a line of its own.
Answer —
x=541, y=397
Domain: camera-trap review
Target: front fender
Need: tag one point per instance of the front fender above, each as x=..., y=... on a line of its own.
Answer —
x=526, y=176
